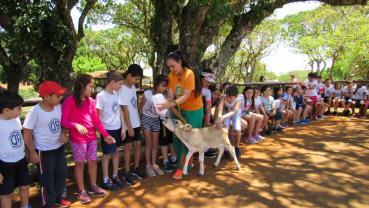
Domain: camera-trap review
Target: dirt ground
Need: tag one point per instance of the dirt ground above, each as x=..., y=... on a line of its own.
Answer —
x=325, y=164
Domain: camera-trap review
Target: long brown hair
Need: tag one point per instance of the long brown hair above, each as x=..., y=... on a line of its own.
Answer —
x=176, y=56
x=82, y=80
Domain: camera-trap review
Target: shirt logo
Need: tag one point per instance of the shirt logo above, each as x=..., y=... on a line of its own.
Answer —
x=133, y=102
x=54, y=126
x=16, y=139
x=115, y=107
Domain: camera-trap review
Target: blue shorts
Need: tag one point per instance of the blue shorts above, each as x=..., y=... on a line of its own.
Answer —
x=111, y=148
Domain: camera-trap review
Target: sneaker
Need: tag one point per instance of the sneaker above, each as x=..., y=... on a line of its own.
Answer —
x=173, y=160
x=210, y=154
x=238, y=152
x=127, y=178
x=117, y=182
x=109, y=186
x=157, y=170
x=279, y=130
x=150, y=171
x=136, y=173
x=306, y=121
x=64, y=203
x=268, y=132
x=178, y=174
x=168, y=168
x=83, y=197
x=258, y=137
x=251, y=140
x=97, y=191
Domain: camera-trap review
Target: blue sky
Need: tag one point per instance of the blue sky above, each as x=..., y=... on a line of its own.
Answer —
x=283, y=59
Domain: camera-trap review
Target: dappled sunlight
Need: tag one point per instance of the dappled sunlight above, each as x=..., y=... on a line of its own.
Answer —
x=321, y=165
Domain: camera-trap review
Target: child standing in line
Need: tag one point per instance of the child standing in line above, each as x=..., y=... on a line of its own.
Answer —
x=111, y=117
x=128, y=103
x=79, y=115
x=151, y=124
x=13, y=164
x=230, y=113
x=42, y=130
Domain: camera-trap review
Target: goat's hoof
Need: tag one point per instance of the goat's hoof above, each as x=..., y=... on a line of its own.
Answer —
x=201, y=174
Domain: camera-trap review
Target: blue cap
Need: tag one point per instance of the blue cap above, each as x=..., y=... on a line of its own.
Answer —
x=285, y=96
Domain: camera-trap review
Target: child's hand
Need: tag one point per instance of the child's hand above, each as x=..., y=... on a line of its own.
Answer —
x=33, y=157
x=81, y=129
x=1, y=178
x=109, y=140
x=131, y=133
x=123, y=134
x=63, y=138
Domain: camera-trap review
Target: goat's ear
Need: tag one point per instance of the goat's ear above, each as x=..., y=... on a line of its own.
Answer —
x=187, y=127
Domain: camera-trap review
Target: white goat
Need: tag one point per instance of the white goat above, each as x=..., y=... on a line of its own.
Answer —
x=197, y=140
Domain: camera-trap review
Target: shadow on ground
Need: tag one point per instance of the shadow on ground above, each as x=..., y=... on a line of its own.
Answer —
x=321, y=165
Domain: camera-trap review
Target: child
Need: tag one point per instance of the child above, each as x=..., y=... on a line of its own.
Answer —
x=151, y=124
x=42, y=127
x=111, y=117
x=254, y=120
x=311, y=93
x=229, y=111
x=13, y=164
x=301, y=107
x=270, y=107
x=347, y=93
x=128, y=103
x=79, y=115
x=259, y=109
x=337, y=95
x=327, y=95
x=207, y=78
x=358, y=99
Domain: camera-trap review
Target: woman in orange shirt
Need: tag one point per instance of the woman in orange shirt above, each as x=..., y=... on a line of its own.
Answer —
x=184, y=91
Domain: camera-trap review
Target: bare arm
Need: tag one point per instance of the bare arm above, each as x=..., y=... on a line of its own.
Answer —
x=28, y=141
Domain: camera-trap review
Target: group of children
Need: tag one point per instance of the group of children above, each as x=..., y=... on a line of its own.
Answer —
x=119, y=117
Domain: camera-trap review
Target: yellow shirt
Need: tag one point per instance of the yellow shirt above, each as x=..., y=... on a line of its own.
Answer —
x=187, y=81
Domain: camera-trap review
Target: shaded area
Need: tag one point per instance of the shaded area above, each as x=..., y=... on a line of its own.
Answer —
x=321, y=165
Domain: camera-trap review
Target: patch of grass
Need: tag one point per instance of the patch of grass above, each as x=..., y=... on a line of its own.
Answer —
x=28, y=93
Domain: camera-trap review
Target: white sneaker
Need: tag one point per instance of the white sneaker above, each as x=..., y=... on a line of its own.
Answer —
x=158, y=170
x=150, y=171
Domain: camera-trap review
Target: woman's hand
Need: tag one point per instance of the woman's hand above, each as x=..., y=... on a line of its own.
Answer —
x=81, y=129
x=109, y=140
x=165, y=105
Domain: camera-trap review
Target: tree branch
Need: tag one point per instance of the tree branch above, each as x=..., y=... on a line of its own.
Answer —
x=89, y=5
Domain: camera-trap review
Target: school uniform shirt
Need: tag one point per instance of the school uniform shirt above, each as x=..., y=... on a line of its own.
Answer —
x=345, y=90
x=278, y=104
x=11, y=140
x=45, y=126
x=328, y=91
x=149, y=108
x=319, y=86
x=257, y=102
x=311, y=92
x=246, y=106
x=187, y=82
x=206, y=93
x=268, y=103
x=110, y=109
x=128, y=97
x=338, y=93
x=360, y=93
x=228, y=107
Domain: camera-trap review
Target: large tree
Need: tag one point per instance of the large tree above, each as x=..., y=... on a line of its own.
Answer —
x=46, y=31
x=193, y=26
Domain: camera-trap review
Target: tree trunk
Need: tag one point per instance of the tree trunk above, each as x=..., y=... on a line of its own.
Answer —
x=13, y=79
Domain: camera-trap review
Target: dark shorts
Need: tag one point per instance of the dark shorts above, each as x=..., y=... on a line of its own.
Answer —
x=15, y=174
x=136, y=137
x=357, y=103
x=165, y=137
x=347, y=100
x=326, y=99
x=278, y=115
x=111, y=148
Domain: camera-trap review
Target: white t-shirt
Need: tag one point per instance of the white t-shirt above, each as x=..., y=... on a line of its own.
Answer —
x=149, y=108
x=319, y=85
x=338, y=93
x=45, y=126
x=246, y=105
x=11, y=140
x=128, y=97
x=360, y=93
x=345, y=90
x=311, y=92
x=278, y=104
x=257, y=102
x=328, y=91
x=207, y=94
x=108, y=104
